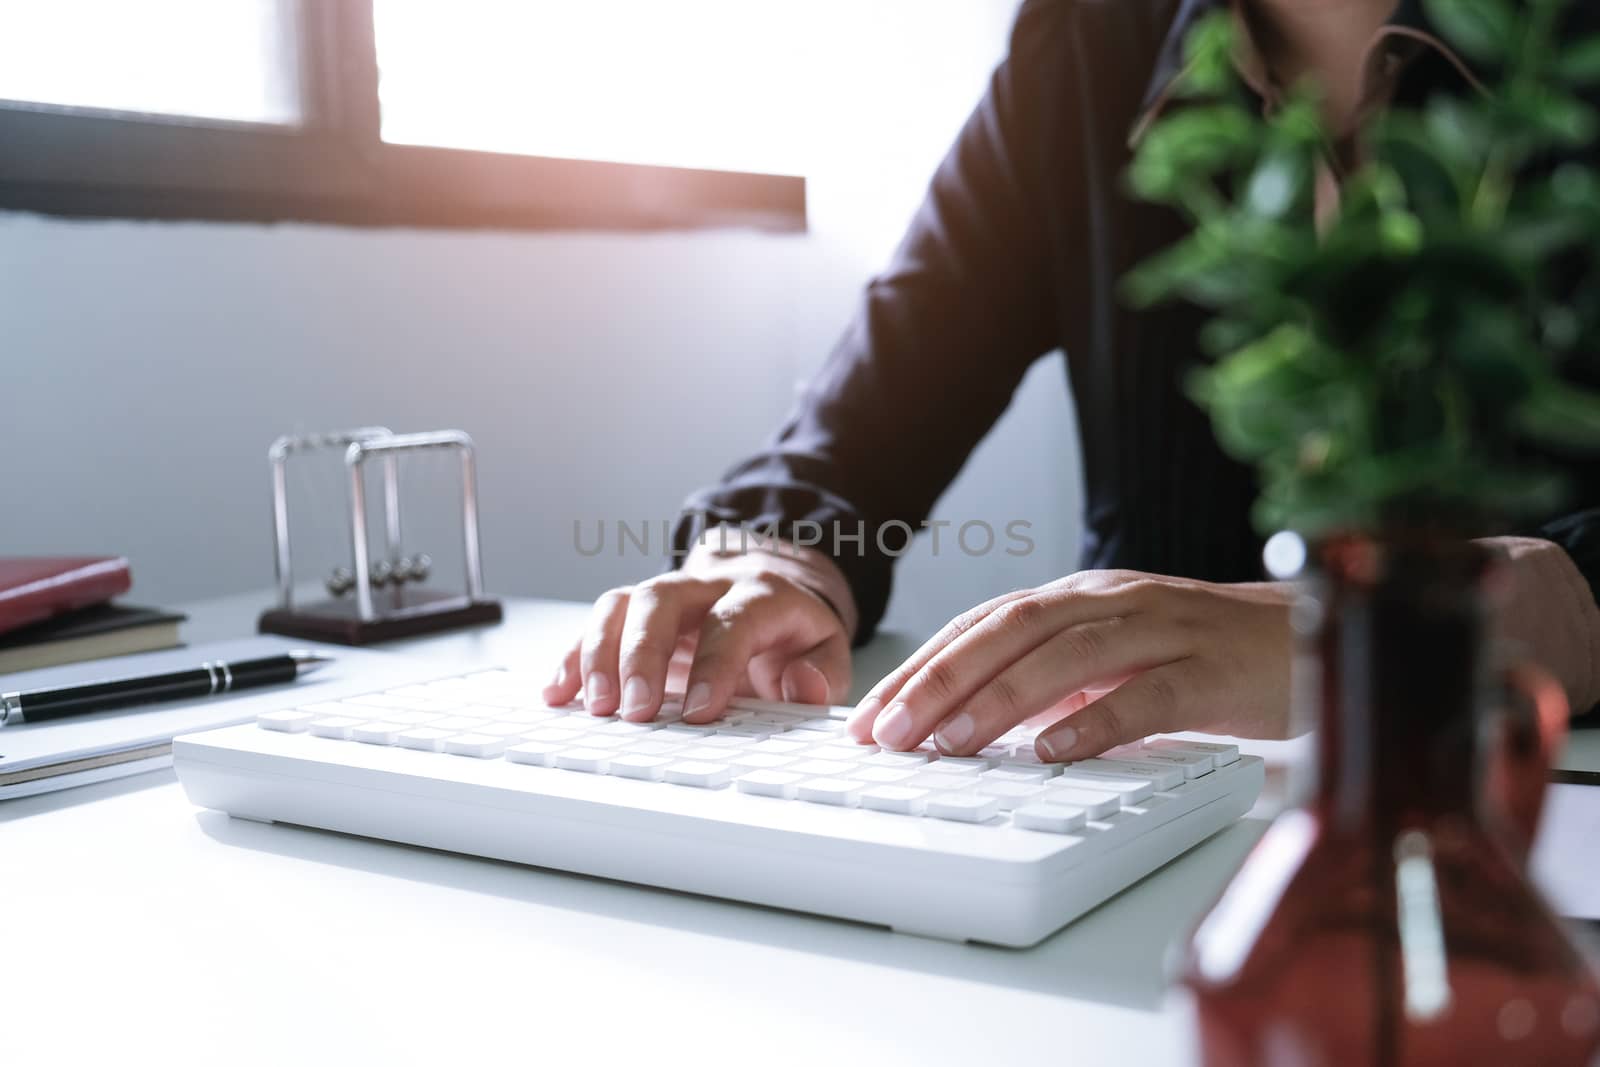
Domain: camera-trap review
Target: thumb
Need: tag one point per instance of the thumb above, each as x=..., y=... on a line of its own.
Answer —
x=820, y=675
x=1146, y=704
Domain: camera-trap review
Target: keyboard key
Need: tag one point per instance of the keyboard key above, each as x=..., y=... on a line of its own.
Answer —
x=627, y=729
x=554, y=737
x=687, y=731
x=425, y=738
x=1051, y=818
x=723, y=739
x=384, y=700
x=971, y=763
x=503, y=729
x=631, y=765
x=900, y=799
x=822, y=768
x=481, y=746
x=336, y=726
x=652, y=747
x=377, y=733
x=328, y=707
x=1193, y=764
x=1220, y=754
x=840, y=791
x=758, y=730
x=1162, y=775
x=588, y=760
x=527, y=718
x=1009, y=794
x=856, y=746
x=818, y=725
x=943, y=783
x=769, y=783
x=699, y=773
x=289, y=720
x=1132, y=790
x=459, y=724
x=1095, y=804
x=758, y=761
x=705, y=754
x=780, y=748
x=961, y=807
x=1012, y=773
x=534, y=752
x=1032, y=767
x=955, y=768
x=603, y=739
x=415, y=718
x=849, y=753
x=898, y=759
x=882, y=775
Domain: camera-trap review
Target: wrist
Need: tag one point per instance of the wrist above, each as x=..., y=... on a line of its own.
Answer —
x=1549, y=611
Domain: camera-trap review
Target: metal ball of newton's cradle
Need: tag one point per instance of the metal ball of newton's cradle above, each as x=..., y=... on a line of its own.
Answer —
x=382, y=573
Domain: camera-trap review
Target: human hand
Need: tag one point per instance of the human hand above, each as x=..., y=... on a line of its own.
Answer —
x=1103, y=657
x=718, y=627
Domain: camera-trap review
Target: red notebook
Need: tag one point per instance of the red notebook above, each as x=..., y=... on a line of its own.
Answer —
x=32, y=590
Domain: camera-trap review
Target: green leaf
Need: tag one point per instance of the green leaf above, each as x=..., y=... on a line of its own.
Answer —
x=1580, y=64
x=1560, y=414
x=1208, y=58
x=1483, y=29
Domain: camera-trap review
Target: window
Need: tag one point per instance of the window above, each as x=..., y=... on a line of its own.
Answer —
x=594, y=113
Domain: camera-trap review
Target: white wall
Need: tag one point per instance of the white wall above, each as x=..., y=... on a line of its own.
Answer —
x=144, y=367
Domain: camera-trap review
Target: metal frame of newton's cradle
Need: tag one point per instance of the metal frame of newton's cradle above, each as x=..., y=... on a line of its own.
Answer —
x=401, y=609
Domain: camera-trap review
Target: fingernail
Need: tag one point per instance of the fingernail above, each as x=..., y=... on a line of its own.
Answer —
x=698, y=700
x=635, y=695
x=866, y=709
x=893, y=728
x=561, y=677
x=791, y=690
x=1058, y=744
x=954, y=732
x=596, y=691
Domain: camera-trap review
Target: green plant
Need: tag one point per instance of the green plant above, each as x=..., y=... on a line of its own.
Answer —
x=1389, y=367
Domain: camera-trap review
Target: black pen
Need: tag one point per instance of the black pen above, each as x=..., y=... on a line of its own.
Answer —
x=210, y=678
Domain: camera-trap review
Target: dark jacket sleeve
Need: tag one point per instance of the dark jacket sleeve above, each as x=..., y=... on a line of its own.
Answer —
x=937, y=347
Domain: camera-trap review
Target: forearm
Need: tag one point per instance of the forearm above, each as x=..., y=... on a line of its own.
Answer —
x=1549, y=612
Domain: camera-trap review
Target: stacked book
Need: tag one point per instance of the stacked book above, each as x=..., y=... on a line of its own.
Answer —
x=55, y=611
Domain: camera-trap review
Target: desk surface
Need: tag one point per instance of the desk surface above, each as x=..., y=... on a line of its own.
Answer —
x=138, y=923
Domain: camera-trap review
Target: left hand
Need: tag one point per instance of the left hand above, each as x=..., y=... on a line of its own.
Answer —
x=1107, y=657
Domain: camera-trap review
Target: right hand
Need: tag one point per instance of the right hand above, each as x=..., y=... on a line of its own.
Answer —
x=720, y=627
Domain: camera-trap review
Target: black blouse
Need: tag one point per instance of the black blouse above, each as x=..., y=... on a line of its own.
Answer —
x=1016, y=252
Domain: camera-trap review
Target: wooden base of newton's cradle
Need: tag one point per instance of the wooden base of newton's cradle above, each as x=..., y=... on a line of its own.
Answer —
x=405, y=614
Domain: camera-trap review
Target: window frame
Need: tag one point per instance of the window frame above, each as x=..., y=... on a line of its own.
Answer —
x=334, y=166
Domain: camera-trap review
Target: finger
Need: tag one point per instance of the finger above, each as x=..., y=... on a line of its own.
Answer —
x=754, y=621
x=658, y=613
x=1156, y=701
x=861, y=721
x=722, y=655
x=568, y=678
x=820, y=676
x=1006, y=635
x=1074, y=660
x=598, y=658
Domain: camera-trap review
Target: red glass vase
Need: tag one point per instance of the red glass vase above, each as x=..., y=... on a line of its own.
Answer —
x=1389, y=919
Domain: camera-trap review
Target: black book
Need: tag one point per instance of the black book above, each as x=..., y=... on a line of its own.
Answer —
x=90, y=633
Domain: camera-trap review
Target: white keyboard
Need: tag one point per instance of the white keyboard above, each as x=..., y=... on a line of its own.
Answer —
x=772, y=805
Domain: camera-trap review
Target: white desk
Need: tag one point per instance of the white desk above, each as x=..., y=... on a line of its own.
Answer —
x=138, y=928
